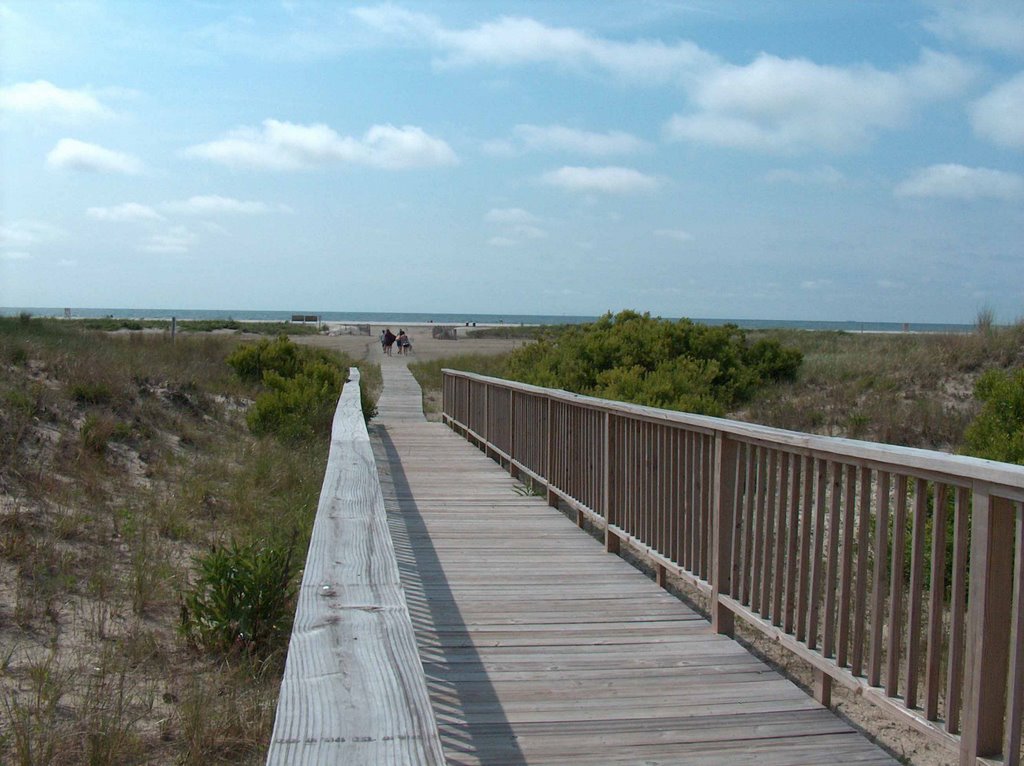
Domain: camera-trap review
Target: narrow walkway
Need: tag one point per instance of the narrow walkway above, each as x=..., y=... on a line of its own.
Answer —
x=539, y=647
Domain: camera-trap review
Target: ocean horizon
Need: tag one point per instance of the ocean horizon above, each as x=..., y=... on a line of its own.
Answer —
x=469, y=318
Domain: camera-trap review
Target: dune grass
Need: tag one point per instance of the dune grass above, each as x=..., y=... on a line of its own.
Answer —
x=123, y=459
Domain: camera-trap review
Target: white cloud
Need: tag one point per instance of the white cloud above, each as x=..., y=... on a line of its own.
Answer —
x=129, y=211
x=608, y=180
x=826, y=175
x=515, y=41
x=44, y=99
x=558, y=138
x=20, y=234
x=816, y=284
x=518, y=225
x=15, y=255
x=510, y=215
x=677, y=235
x=991, y=24
x=795, y=105
x=214, y=204
x=960, y=182
x=999, y=116
x=288, y=146
x=177, y=239
x=72, y=154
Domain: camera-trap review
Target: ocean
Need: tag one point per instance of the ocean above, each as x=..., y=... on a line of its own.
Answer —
x=462, y=319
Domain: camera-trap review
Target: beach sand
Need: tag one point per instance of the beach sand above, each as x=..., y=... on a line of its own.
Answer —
x=424, y=346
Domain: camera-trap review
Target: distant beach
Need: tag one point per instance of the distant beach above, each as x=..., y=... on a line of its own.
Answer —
x=464, y=319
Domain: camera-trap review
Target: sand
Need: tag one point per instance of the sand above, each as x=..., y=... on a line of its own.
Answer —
x=424, y=346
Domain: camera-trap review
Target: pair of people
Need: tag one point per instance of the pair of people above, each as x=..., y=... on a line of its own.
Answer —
x=388, y=340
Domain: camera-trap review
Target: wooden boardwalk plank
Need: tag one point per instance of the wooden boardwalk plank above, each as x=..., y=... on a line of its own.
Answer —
x=539, y=647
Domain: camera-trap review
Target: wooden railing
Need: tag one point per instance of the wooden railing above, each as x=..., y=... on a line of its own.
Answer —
x=353, y=689
x=896, y=572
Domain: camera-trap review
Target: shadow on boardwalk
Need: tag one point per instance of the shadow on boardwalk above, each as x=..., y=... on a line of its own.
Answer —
x=481, y=737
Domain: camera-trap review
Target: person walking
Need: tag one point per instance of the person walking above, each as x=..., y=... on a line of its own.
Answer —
x=389, y=341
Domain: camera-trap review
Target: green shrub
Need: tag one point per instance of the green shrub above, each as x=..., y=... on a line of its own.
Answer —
x=242, y=600
x=297, y=407
x=997, y=433
x=675, y=365
x=280, y=356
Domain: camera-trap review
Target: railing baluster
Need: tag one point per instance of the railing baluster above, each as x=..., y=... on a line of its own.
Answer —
x=896, y=610
x=860, y=598
x=916, y=591
x=793, y=545
x=846, y=577
x=725, y=455
x=881, y=577
x=818, y=561
x=936, y=598
x=957, y=607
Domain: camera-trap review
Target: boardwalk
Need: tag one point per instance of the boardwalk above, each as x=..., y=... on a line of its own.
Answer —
x=539, y=647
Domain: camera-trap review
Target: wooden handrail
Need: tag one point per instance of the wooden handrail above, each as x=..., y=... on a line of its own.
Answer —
x=835, y=548
x=353, y=688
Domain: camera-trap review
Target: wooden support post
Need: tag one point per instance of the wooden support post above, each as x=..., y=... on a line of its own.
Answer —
x=823, y=687
x=660, y=575
x=988, y=627
x=722, y=529
x=611, y=541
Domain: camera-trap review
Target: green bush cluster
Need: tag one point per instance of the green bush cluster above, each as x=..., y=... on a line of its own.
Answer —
x=997, y=433
x=677, y=365
x=302, y=387
x=242, y=601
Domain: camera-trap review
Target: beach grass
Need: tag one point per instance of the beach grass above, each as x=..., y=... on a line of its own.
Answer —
x=123, y=459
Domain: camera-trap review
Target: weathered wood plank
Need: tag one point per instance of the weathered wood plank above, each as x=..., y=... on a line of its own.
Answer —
x=353, y=688
x=539, y=647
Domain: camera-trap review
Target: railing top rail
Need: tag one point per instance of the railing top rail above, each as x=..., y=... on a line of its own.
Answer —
x=353, y=689
x=956, y=467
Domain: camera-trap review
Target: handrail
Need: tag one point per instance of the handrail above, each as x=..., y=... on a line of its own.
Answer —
x=353, y=688
x=896, y=572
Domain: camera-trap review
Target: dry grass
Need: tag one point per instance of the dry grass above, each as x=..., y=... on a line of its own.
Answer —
x=121, y=460
x=912, y=390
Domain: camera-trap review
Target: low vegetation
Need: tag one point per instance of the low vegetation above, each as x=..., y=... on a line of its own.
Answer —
x=637, y=358
x=915, y=390
x=112, y=324
x=149, y=546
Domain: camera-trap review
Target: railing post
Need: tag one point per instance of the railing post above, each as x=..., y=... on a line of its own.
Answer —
x=512, y=469
x=722, y=529
x=552, y=498
x=444, y=396
x=988, y=627
x=611, y=540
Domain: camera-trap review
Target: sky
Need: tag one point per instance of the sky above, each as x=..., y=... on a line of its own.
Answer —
x=804, y=160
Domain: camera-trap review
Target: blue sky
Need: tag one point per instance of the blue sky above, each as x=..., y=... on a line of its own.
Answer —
x=786, y=160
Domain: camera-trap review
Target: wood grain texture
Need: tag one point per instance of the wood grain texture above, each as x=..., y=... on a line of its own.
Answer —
x=539, y=647
x=353, y=688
